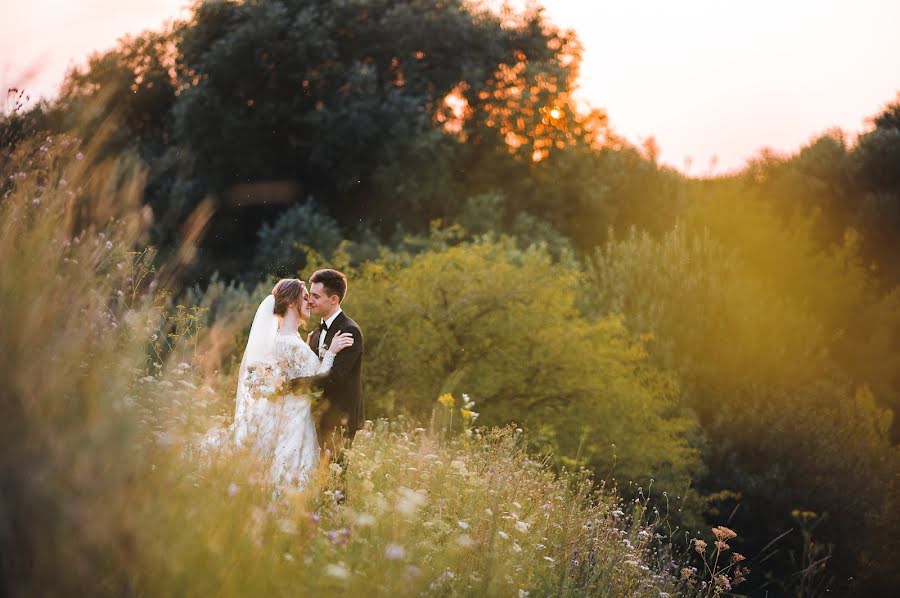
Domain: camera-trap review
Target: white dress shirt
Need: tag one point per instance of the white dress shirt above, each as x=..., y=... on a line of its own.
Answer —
x=324, y=333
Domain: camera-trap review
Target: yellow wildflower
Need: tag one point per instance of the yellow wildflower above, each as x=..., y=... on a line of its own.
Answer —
x=447, y=400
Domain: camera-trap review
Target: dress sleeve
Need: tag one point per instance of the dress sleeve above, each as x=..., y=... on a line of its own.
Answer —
x=302, y=362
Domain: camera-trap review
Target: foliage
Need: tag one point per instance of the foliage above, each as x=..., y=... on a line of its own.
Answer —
x=777, y=345
x=471, y=318
x=280, y=250
x=389, y=114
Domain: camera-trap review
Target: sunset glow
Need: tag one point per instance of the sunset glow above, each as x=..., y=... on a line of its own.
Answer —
x=713, y=82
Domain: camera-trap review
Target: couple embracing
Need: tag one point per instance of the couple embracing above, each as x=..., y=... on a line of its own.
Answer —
x=280, y=375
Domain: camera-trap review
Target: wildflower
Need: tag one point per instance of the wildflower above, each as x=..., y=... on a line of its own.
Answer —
x=335, y=468
x=516, y=547
x=79, y=156
x=288, y=557
x=688, y=572
x=550, y=560
x=233, y=489
x=523, y=593
x=338, y=496
x=468, y=414
x=413, y=571
x=463, y=524
x=465, y=540
x=488, y=512
x=394, y=552
x=287, y=526
x=723, y=533
x=36, y=201
x=109, y=245
x=338, y=571
x=338, y=536
x=516, y=505
x=503, y=535
x=409, y=501
x=521, y=526
x=447, y=400
x=699, y=546
x=364, y=520
x=722, y=545
x=737, y=557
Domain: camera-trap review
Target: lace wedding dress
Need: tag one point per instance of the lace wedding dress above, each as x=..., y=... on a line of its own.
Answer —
x=282, y=430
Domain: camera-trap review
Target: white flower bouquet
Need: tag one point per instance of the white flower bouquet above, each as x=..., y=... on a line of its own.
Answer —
x=265, y=380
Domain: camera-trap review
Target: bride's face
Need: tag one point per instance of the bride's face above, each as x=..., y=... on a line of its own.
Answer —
x=303, y=308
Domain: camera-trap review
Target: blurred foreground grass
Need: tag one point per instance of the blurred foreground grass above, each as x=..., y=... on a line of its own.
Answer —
x=105, y=392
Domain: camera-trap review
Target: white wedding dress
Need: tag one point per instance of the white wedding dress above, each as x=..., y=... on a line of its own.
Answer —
x=282, y=430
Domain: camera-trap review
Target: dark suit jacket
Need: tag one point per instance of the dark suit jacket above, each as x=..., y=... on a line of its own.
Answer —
x=342, y=386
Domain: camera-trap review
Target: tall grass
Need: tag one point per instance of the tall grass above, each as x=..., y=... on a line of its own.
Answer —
x=106, y=387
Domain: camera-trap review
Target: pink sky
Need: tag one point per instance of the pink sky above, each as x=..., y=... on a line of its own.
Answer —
x=706, y=78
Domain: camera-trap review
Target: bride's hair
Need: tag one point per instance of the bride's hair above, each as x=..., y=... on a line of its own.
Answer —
x=287, y=291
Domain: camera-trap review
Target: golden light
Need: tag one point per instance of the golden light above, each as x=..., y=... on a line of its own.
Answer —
x=555, y=113
x=455, y=109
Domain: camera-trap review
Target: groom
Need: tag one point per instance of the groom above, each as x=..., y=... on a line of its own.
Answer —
x=342, y=387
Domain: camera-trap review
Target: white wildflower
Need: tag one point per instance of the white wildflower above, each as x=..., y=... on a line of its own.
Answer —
x=338, y=571
x=364, y=520
x=465, y=540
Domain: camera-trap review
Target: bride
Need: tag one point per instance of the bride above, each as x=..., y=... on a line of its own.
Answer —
x=280, y=426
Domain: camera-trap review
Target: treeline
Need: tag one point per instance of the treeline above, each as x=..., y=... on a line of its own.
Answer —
x=736, y=339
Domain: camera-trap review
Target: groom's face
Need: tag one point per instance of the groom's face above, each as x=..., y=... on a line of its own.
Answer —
x=320, y=304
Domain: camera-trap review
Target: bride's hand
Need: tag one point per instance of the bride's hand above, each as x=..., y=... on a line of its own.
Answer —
x=341, y=341
x=309, y=337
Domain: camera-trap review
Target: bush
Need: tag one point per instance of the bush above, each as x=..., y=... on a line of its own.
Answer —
x=281, y=243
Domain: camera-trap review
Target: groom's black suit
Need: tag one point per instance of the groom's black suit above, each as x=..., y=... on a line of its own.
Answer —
x=342, y=386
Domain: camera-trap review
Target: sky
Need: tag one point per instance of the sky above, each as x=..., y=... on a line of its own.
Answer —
x=712, y=81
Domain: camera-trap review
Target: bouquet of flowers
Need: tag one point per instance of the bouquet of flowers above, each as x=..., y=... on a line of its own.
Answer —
x=265, y=380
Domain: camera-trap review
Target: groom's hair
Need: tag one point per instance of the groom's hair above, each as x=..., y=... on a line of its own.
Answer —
x=335, y=282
